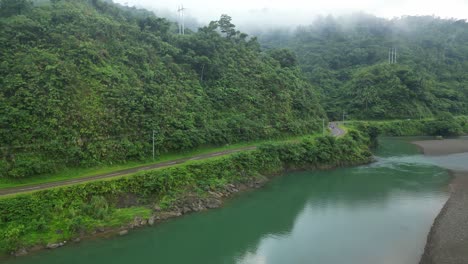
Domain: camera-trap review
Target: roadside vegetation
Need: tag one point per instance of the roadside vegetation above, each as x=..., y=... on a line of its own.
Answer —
x=444, y=125
x=83, y=172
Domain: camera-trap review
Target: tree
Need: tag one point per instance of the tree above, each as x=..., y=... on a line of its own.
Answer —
x=226, y=26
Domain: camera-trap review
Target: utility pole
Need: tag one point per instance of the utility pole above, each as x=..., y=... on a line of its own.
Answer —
x=323, y=126
x=395, y=55
x=392, y=55
x=153, y=143
x=389, y=56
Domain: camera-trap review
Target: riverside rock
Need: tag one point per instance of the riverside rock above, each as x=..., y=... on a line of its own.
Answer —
x=20, y=252
x=151, y=220
x=53, y=245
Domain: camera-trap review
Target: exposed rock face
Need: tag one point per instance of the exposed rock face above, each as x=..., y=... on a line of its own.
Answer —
x=123, y=232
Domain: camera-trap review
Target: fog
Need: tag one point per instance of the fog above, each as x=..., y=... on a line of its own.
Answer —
x=272, y=13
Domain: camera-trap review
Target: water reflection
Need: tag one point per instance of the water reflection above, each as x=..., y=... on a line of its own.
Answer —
x=362, y=215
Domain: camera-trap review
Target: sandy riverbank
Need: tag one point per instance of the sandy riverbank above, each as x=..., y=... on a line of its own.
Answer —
x=447, y=241
x=442, y=147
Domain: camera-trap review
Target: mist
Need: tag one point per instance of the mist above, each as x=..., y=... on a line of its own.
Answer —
x=282, y=13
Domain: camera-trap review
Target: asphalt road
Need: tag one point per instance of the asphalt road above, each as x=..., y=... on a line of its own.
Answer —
x=335, y=130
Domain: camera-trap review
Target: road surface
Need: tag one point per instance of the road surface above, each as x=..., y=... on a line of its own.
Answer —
x=42, y=186
x=335, y=130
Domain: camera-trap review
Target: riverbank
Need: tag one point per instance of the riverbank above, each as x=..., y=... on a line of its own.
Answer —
x=448, y=239
x=442, y=147
x=47, y=218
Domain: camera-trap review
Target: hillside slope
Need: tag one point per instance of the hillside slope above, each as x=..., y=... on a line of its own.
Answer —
x=86, y=82
x=348, y=59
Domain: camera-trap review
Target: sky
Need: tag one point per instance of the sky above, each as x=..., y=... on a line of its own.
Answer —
x=297, y=12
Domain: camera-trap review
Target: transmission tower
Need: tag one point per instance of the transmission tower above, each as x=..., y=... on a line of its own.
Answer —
x=392, y=55
x=180, y=10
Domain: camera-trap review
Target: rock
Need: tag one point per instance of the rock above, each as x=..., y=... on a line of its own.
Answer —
x=20, y=252
x=167, y=215
x=213, y=203
x=100, y=229
x=151, y=220
x=77, y=240
x=123, y=232
x=215, y=194
x=52, y=245
x=61, y=244
x=137, y=221
x=144, y=222
x=157, y=208
x=186, y=210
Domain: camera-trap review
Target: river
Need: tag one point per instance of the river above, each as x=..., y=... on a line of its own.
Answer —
x=374, y=214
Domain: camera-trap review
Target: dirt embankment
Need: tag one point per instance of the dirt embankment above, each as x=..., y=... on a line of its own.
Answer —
x=447, y=241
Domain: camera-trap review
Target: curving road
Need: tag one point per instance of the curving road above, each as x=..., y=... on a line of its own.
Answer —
x=335, y=130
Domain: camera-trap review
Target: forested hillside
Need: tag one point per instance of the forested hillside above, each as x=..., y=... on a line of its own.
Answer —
x=85, y=82
x=348, y=59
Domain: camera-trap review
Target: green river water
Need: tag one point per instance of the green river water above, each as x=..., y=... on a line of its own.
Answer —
x=374, y=214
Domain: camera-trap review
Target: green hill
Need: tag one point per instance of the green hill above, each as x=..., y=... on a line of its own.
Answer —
x=87, y=82
x=348, y=59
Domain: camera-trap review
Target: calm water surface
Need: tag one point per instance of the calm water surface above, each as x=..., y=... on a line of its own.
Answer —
x=374, y=214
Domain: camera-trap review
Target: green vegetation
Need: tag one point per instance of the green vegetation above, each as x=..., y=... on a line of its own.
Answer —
x=83, y=172
x=346, y=58
x=443, y=125
x=86, y=82
x=62, y=213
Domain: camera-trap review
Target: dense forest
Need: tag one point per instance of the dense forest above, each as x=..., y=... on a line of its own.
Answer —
x=347, y=58
x=86, y=82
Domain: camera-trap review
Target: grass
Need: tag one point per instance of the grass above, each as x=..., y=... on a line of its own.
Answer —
x=77, y=173
x=118, y=217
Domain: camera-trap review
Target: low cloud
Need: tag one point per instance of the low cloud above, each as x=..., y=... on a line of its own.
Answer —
x=248, y=13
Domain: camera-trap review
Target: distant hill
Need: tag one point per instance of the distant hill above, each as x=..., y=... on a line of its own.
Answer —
x=347, y=58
